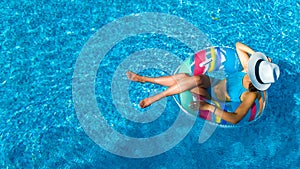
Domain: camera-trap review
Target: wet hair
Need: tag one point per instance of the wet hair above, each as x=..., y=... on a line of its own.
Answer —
x=252, y=88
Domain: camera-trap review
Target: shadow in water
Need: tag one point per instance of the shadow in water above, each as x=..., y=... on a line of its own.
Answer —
x=281, y=95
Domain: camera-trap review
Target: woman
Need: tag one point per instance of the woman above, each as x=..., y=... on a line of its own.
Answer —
x=257, y=75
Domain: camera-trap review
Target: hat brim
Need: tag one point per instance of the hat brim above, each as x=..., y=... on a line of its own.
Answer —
x=251, y=70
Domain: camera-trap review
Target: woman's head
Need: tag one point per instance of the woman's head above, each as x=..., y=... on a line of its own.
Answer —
x=261, y=72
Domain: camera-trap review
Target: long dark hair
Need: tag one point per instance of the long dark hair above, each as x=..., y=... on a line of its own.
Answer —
x=251, y=88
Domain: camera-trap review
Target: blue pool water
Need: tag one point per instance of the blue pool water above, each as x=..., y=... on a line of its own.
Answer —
x=41, y=41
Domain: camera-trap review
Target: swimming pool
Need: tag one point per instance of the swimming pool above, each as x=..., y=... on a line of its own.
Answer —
x=41, y=42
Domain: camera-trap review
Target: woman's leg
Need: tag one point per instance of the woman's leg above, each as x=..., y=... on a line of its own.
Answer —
x=218, y=89
x=182, y=85
x=221, y=91
x=164, y=80
x=201, y=91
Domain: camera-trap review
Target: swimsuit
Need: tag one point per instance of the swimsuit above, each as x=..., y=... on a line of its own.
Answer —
x=234, y=86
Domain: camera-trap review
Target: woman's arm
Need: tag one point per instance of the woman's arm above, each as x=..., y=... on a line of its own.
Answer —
x=243, y=52
x=239, y=113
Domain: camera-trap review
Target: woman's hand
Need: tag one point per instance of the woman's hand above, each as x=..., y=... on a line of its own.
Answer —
x=199, y=105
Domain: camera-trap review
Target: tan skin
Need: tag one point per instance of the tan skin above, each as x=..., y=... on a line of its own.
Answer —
x=198, y=84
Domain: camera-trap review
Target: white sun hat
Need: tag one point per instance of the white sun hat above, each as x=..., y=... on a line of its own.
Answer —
x=261, y=72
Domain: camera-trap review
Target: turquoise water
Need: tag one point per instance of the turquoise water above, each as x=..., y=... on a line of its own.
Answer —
x=41, y=42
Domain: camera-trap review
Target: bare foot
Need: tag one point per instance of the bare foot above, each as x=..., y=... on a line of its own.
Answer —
x=145, y=103
x=134, y=77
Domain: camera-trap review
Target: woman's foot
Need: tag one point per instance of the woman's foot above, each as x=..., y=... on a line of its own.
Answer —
x=135, y=77
x=146, y=102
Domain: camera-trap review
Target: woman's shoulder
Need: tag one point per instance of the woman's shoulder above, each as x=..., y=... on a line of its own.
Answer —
x=249, y=96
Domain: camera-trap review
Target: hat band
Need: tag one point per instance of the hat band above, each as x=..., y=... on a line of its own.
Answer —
x=257, y=71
